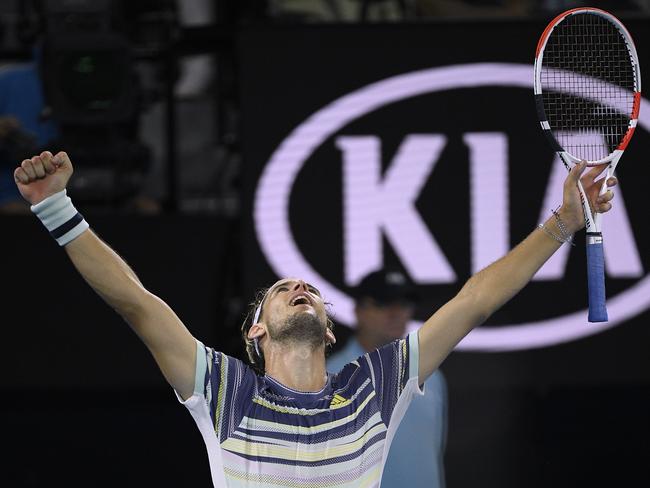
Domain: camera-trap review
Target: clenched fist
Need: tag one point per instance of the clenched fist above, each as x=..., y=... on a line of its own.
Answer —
x=43, y=175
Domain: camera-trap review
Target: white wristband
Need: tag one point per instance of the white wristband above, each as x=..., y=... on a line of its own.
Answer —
x=60, y=217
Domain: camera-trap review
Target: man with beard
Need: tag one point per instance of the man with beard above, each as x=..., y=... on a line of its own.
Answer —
x=286, y=421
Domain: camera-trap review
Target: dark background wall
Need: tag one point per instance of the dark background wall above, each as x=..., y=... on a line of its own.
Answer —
x=82, y=403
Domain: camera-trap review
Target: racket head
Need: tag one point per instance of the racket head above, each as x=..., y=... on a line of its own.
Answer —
x=587, y=85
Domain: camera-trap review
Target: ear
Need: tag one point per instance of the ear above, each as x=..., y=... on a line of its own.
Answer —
x=256, y=331
x=329, y=337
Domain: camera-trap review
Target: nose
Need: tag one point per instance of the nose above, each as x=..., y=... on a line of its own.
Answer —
x=299, y=284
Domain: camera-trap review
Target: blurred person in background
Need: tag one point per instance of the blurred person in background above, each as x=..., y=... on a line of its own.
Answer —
x=25, y=125
x=63, y=96
x=13, y=143
x=384, y=305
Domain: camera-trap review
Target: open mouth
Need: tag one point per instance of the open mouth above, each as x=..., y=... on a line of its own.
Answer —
x=300, y=300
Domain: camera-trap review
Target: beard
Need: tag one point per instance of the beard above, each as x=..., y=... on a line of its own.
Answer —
x=300, y=328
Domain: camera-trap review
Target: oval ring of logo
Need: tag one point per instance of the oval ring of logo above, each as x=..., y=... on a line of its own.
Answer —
x=271, y=205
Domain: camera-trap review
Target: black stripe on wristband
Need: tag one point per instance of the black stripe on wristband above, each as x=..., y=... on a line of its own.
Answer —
x=67, y=227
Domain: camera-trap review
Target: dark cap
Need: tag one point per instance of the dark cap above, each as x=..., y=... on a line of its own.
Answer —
x=386, y=286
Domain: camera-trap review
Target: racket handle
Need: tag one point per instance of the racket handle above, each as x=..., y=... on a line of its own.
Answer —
x=596, y=281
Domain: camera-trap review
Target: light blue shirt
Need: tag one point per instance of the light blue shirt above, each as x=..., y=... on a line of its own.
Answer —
x=415, y=459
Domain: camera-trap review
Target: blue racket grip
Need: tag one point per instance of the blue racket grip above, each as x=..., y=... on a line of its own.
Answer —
x=596, y=282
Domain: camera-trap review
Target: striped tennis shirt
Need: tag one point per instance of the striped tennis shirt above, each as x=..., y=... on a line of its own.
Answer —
x=260, y=433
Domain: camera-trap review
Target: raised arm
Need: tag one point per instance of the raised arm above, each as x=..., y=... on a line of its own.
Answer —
x=489, y=289
x=42, y=181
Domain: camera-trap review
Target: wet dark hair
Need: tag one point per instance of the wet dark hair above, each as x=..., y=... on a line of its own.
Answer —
x=257, y=360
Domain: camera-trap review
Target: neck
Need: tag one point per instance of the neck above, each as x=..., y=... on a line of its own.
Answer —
x=297, y=366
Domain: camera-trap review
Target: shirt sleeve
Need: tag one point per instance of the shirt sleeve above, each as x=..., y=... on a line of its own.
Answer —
x=390, y=368
x=226, y=384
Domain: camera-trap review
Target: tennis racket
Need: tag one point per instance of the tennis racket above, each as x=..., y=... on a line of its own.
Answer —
x=587, y=92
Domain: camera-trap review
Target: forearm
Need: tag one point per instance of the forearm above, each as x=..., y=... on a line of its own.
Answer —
x=108, y=274
x=490, y=288
x=499, y=282
x=482, y=295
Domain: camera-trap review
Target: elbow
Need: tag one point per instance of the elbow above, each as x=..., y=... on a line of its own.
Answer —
x=476, y=303
x=133, y=305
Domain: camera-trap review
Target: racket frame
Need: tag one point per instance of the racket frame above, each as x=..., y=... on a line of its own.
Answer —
x=594, y=240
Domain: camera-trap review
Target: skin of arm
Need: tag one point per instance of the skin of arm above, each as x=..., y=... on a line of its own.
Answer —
x=164, y=334
x=492, y=287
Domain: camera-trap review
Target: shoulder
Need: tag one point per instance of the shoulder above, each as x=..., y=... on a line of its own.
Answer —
x=393, y=352
x=218, y=366
x=349, y=374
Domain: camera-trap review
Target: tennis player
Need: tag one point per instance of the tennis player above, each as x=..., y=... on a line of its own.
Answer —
x=284, y=421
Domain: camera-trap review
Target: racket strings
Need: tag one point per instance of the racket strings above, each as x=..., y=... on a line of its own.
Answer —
x=588, y=85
